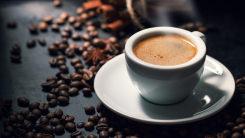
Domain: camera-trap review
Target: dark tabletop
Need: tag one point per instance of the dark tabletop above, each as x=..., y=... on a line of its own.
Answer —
x=24, y=79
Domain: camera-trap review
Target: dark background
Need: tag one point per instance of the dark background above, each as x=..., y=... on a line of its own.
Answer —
x=227, y=45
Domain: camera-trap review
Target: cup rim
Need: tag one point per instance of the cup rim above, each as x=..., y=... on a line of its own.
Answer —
x=201, y=48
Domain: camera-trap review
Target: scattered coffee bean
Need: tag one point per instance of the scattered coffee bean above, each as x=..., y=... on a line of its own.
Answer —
x=104, y=120
x=54, y=121
x=36, y=112
x=39, y=135
x=111, y=131
x=64, y=87
x=90, y=28
x=11, y=24
x=63, y=100
x=64, y=68
x=55, y=27
x=80, y=10
x=60, y=21
x=65, y=34
x=48, y=18
x=53, y=50
x=13, y=118
x=72, y=19
x=64, y=93
x=77, y=25
x=103, y=134
x=75, y=61
x=240, y=120
x=38, y=127
x=13, y=113
x=70, y=127
x=65, y=77
x=31, y=43
x=44, y=108
x=78, y=66
x=20, y=118
x=41, y=41
x=44, y=121
x=31, y=117
x=51, y=78
x=57, y=3
x=48, y=129
x=60, y=62
x=91, y=136
x=34, y=105
x=58, y=113
x=16, y=49
x=102, y=127
x=15, y=58
x=47, y=85
x=30, y=134
x=75, y=134
x=236, y=135
x=32, y=28
x=80, y=125
x=64, y=15
x=70, y=52
x=53, y=103
x=73, y=91
x=50, y=115
x=22, y=101
x=76, y=84
x=88, y=75
x=43, y=26
x=93, y=119
x=92, y=13
x=51, y=96
x=84, y=16
x=59, y=129
x=93, y=33
x=85, y=84
x=89, y=126
x=76, y=36
x=53, y=62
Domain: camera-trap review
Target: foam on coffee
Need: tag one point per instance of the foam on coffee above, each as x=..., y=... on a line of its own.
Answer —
x=166, y=50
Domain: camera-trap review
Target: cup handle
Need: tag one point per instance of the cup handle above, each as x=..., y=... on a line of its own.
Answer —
x=201, y=35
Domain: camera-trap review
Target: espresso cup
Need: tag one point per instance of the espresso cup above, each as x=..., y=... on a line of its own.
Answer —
x=165, y=84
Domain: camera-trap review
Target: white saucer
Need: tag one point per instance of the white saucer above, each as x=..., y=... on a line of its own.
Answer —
x=115, y=89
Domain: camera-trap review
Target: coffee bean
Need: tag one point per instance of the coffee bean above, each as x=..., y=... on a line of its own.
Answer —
x=48, y=129
x=70, y=127
x=80, y=10
x=44, y=108
x=34, y=105
x=104, y=120
x=55, y=27
x=63, y=47
x=27, y=125
x=20, y=118
x=53, y=103
x=41, y=41
x=15, y=58
x=53, y=50
x=89, y=126
x=16, y=49
x=67, y=118
x=11, y=24
x=32, y=28
x=77, y=25
x=24, y=113
x=90, y=28
x=55, y=91
x=30, y=134
x=93, y=33
x=60, y=21
x=67, y=29
x=75, y=134
x=240, y=120
x=76, y=36
x=64, y=68
x=91, y=136
x=48, y=136
x=22, y=101
x=236, y=129
x=93, y=119
x=48, y=18
x=59, y=130
x=65, y=77
x=50, y=115
x=51, y=96
x=54, y=121
x=61, y=57
x=73, y=91
x=75, y=61
x=85, y=84
x=102, y=127
x=63, y=100
x=111, y=131
x=9, y=129
x=57, y=3
x=236, y=135
x=70, y=52
x=43, y=26
x=103, y=134
x=88, y=75
x=80, y=125
x=38, y=127
x=31, y=43
x=84, y=16
x=64, y=87
x=65, y=34
x=36, y=112
x=64, y=93
x=72, y=19
x=64, y=15
x=53, y=62
x=47, y=85
x=92, y=13
x=60, y=62
x=44, y=121
x=39, y=135
x=86, y=37
x=31, y=117
x=76, y=84
x=100, y=115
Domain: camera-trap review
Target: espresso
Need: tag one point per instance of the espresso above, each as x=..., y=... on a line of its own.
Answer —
x=165, y=50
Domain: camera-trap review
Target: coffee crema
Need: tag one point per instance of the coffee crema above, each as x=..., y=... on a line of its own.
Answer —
x=165, y=50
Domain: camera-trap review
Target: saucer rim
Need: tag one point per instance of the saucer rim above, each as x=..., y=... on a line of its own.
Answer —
x=169, y=122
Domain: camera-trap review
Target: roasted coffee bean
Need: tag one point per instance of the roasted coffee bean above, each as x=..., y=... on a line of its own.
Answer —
x=27, y=125
x=16, y=49
x=51, y=78
x=64, y=15
x=90, y=28
x=76, y=133
x=75, y=61
x=91, y=136
x=11, y=24
x=103, y=134
x=56, y=43
x=17, y=125
x=80, y=125
x=77, y=77
x=86, y=37
x=77, y=25
x=73, y=91
x=15, y=58
x=19, y=132
x=92, y=13
x=60, y=21
x=93, y=33
x=20, y=118
x=72, y=19
x=64, y=93
x=111, y=131
x=67, y=118
x=24, y=113
x=32, y=28
x=93, y=119
x=51, y=96
x=53, y=50
x=22, y=101
x=31, y=117
x=104, y=120
x=63, y=100
x=34, y=105
x=240, y=120
x=31, y=43
x=102, y=126
x=43, y=26
x=47, y=85
x=113, y=39
x=44, y=107
x=64, y=68
x=9, y=129
x=93, y=22
x=55, y=91
x=236, y=135
x=65, y=34
x=76, y=36
x=84, y=16
x=38, y=127
x=61, y=57
x=76, y=84
x=86, y=91
x=41, y=41
x=80, y=10
x=64, y=87
x=48, y=18
x=53, y=103
x=73, y=74
x=54, y=121
x=59, y=130
x=67, y=29
x=30, y=134
x=85, y=84
x=60, y=62
x=93, y=69
x=39, y=135
x=70, y=52
x=53, y=62
x=70, y=127
x=57, y=3
x=7, y=123
x=89, y=126
x=44, y=121
x=55, y=27
x=88, y=75
x=48, y=136
x=50, y=115
x=63, y=47
x=99, y=115
x=36, y=112
x=48, y=129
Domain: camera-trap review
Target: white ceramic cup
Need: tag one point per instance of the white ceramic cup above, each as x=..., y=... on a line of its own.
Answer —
x=165, y=84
